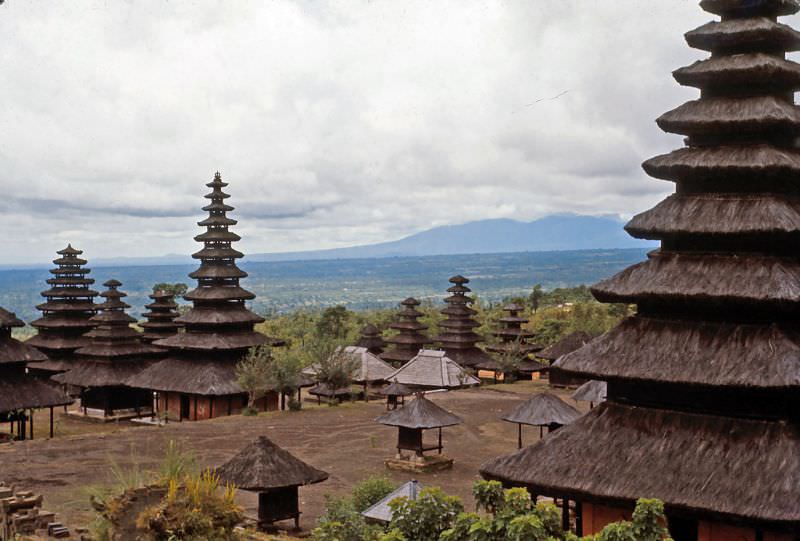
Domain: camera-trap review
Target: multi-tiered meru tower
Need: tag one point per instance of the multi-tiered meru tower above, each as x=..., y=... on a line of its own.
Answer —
x=198, y=379
x=65, y=313
x=160, y=317
x=115, y=352
x=514, y=342
x=410, y=337
x=458, y=336
x=703, y=407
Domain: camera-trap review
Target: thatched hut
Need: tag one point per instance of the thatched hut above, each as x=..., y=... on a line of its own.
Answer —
x=433, y=369
x=21, y=394
x=458, y=337
x=552, y=353
x=198, y=380
x=393, y=392
x=368, y=368
x=410, y=337
x=411, y=421
x=66, y=312
x=593, y=392
x=114, y=354
x=703, y=381
x=275, y=474
x=330, y=394
x=542, y=410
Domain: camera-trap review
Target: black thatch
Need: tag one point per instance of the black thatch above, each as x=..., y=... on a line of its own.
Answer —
x=198, y=375
x=420, y=413
x=323, y=389
x=693, y=462
x=592, y=391
x=92, y=374
x=396, y=389
x=568, y=344
x=699, y=353
x=262, y=466
x=19, y=392
x=543, y=409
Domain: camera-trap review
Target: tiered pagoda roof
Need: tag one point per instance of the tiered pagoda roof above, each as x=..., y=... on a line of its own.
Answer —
x=66, y=311
x=115, y=351
x=219, y=328
x=410, y=338
x=160, y=316
x=458, y=336
x=703, y=381
x=19, y=391
x=514, y=340
x=371, y=339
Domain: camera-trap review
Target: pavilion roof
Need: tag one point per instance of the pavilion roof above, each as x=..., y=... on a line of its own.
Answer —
x=592, y=391
x=543, y=409
x=21, y=391
x=381, y=512
x=262, y=465
x=568, y=344
x=432, y=369
x=420, y=413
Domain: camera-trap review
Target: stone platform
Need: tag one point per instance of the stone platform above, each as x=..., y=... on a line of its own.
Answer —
x=415, y=464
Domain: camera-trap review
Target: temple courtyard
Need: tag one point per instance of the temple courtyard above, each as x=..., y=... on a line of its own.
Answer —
x=343, y=440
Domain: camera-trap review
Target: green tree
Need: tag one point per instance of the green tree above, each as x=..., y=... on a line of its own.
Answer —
x=283, y=372
x=535, y=297
x=253, y=376
x=179, y=289
x=370, y=491
x=334, y=367
x=333, y=323
x=425, y=518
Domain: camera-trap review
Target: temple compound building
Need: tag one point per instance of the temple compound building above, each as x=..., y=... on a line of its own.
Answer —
x=20, y=393
x=160, y=316
x=411, y=335
x=198, y=378
x=115, y=352
x=65, y=314
x=703, y=398
x=458, y=336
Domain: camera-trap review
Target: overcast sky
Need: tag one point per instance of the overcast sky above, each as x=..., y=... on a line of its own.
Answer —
x=336, y=123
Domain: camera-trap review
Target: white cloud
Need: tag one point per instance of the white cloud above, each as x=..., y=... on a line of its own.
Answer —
x=336, y=123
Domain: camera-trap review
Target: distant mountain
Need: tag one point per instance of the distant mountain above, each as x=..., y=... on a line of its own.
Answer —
x=556, y=232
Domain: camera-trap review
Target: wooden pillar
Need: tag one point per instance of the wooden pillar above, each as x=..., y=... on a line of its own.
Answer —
x=519, y=435
x=211, y=407
x=230, y=407
x=366, y=392
x=578, y=518
x=31, y=421
x=52, y=433
x=541, y=431
x=565, y=514
x=759, y=534
x=440, y=440
x=195, y=407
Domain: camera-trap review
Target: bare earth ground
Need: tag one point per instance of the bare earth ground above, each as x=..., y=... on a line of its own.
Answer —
x=344, y=441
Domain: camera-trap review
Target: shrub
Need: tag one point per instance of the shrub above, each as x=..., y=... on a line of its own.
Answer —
x=295, y=404
x=425, y=518
x=370, y=491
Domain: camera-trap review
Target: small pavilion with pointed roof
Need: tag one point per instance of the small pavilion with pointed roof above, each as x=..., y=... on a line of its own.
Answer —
x=458, y=337
x=66, y=312
x=593, y=391
x=410, y=337
x=161, y=316
x=198, y=380
x=20, y=393
x=393, y=392
x=433, y=369
x=114, y=354
x=542, y=410
x=371, y=339
x=275, y=474
x=411, y=421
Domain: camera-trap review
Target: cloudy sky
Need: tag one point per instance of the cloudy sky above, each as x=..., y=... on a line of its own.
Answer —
x=335, y=122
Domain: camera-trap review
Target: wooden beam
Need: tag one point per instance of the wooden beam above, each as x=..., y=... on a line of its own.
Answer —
x=52, y=433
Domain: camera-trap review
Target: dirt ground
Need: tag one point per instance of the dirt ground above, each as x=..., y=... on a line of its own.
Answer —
x=344, y=441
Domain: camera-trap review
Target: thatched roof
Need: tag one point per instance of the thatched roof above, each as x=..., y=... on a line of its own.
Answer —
x=737, y=32
x=568, y=344
x=381, y=512
x=592, y=391
x=206, y=377
x=700, y=353
x=396, y=389
x=433, y=370
x=420, y=413
x=19, y=391
x=323, y=389
x=368, y=367
x=12, y=350
x=689, y=461
x=262, y=466
x=88, y=373
x=543, y=409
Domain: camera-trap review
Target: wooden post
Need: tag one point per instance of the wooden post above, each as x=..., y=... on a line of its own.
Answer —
x=440, y=440
x=579, y=519
x=211, y=407
x=366, y=392
x=52, y=433
x=230, y=407
x=195, y=407
x=541, y=431
x=565, y=514
x=31, y=421
x=519, y=435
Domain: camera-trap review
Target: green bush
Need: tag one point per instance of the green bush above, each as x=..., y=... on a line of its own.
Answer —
x=425, y=518
x=370, y=491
